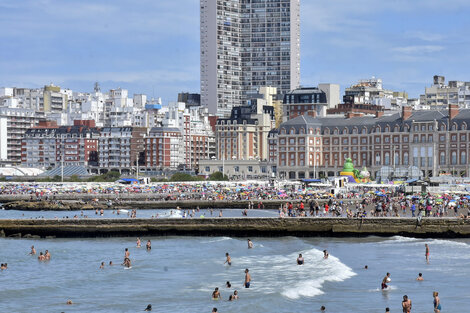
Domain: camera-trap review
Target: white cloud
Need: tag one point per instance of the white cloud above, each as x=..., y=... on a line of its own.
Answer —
x=423, y=49
x=424, y=36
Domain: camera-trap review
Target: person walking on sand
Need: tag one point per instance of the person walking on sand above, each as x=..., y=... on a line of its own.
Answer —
x=437, y=302
x=406, y=304
x=427, y=253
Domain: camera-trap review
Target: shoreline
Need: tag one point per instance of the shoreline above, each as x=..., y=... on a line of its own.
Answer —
x=239, y=227
x=74, y=205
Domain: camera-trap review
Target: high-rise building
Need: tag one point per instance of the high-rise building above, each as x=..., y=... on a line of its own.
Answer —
x=245, y=45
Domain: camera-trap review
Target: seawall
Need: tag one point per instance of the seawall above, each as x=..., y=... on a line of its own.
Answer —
x=242, y=227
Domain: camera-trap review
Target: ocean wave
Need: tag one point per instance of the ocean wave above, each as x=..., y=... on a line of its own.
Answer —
x=217, y=240
x=280, y=273
x=421, y=241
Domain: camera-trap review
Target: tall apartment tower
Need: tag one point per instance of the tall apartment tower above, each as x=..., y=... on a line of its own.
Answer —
x=245, y=45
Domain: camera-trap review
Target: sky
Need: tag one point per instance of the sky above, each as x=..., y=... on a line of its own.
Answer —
x=152, y=46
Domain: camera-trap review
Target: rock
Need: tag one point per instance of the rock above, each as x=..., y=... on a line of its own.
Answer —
x=28, y=236
x=2, y=234
x=36, y=237
x=17, y=235
x=50, y=237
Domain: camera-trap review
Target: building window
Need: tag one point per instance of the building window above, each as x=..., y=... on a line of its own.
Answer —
x=405, y=139
x=236, y=169
x=250, y=168
x=396, y=158
x=387, y=139
x=377, y=139
x=453, y=158
x=405, y=158
x=364, y=140
x=377, y=158
x=208, y=169
x=463, y=157
x=442, y=138
x=442, y=158
x=387, y=158
x=453, y=137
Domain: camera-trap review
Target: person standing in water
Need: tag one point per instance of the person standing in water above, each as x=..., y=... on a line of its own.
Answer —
x=148, y=245
x=33, y=251
x=406, y=304
x=437, y=302
x=300, y=260
x=216, y=294
x=247, y=278
x=138, y=242
x=250, y=244
x=102, y=266
x=427, y=253
x=385, y=281
x=325, y=254
x=229, y=259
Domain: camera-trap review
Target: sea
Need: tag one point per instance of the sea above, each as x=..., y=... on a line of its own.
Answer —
x=179, y=274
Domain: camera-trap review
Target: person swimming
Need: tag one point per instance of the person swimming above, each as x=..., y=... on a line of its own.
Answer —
x=102, y=266
x=148, y=308
x=385, y=281
x=228, y=259
x=325, y=254
x=420, y=276
x=228, y=284
x=300, y=260
x=216, y=294
x=235, y=295
x=127, y=262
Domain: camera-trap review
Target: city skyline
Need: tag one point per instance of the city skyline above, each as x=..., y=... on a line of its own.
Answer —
x=153, y=48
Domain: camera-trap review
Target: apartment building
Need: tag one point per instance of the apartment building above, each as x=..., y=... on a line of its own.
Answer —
x=441, y=94
x=243, y=136
x=433, y=142
x=246, y=45
x=49, y=145
x=313, y=101
x=120, y=147
x=14, y=122
x=164, y=148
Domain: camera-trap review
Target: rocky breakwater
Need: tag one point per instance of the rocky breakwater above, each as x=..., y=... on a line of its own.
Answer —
x=427, y=227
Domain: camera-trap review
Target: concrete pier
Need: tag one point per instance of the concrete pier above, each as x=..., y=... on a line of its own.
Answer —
x=303, y=227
